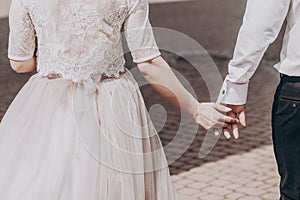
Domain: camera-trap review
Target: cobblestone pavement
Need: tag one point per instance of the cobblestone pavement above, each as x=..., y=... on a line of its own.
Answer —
x=247, y=176
x=234, y=169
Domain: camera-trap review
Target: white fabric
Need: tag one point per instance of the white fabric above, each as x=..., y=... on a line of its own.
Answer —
x=89, y=31
x=44, y=157
x=261, y=25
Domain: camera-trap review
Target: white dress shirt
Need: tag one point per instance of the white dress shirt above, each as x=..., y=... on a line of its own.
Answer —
x=262, y=22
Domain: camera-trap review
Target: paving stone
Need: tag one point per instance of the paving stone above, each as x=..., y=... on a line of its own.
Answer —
x=235, y=187
x=250, y=198
x=270, y=196
x=184, y=181
x=219, y=183
x=270, y=188
x=234, y=196
x=188, y=191
x=255, y=184
x=251, y=191
x=198, y=185
x=217, y=190
x=202, y=177
x=212, y=197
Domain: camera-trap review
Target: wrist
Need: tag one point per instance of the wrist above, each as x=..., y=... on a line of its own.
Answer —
x=193, y=107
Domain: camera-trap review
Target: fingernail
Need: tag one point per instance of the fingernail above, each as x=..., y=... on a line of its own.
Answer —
x=227, y=135
x=235, y=134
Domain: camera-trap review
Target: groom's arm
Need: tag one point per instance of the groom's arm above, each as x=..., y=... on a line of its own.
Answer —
x=262, y=22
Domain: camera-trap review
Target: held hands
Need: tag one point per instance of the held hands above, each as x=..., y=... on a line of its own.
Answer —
x=209, y=115
x=237, y=111
x=213, y=116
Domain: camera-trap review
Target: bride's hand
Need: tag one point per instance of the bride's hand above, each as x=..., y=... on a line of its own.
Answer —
x=213, y=115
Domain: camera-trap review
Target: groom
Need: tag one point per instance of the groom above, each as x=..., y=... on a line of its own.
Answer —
x=262, y=22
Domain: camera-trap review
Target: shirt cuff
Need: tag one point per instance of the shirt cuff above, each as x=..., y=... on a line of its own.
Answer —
x=233, y=93
x=19, y=58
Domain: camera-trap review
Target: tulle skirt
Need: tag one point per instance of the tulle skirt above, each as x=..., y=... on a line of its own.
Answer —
x=61, y=140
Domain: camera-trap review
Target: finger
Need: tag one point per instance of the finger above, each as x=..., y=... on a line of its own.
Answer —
x=226, y=125
x=219, y=124
x=231, y=120
x=221, y=108
x=242, y=117
x=235, y=131
x=226, y=133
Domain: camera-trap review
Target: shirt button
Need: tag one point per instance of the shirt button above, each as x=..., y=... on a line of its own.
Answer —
x=294, y=105
x=223, y=91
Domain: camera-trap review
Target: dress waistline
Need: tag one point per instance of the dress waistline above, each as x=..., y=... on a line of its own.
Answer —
x=95, y=77
x=89, y=84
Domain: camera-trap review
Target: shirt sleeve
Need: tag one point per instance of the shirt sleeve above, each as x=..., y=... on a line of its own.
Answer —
x=22, y=34
x=262, y=22
x=139, y=34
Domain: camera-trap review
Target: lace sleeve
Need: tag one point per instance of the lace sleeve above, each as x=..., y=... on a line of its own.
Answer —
x=22, y=34
x=139, y=33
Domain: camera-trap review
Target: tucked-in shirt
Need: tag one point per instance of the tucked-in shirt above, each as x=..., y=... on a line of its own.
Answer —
x=262, y=23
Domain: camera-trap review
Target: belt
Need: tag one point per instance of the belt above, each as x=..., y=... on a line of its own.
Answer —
x=90, y=83
x=98, y=77
x=290, y=79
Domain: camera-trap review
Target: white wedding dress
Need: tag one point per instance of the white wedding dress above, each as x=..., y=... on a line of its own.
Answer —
x=79, y=129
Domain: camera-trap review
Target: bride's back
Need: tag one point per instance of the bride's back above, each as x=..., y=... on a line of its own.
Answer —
x=75, y=38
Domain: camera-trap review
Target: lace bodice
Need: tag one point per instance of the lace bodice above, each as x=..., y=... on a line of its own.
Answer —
x=76, y=38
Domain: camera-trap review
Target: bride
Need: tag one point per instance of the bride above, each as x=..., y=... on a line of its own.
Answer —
x=78, y=129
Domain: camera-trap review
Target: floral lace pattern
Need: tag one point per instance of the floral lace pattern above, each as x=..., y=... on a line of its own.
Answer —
x=21, y=23
x=78, y=38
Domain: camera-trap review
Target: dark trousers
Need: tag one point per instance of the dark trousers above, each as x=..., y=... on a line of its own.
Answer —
x=286, y=136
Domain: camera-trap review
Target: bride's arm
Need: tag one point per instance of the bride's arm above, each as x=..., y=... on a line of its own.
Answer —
x=22, y=38
x=24, y=66
x=159, y=74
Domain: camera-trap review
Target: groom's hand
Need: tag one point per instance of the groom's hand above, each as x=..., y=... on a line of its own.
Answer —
x=237, y=111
